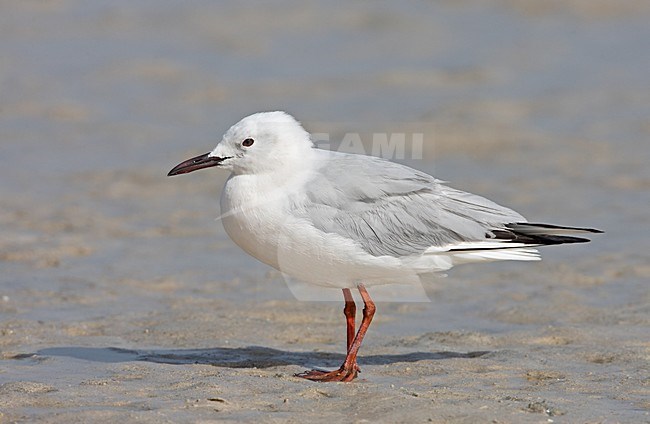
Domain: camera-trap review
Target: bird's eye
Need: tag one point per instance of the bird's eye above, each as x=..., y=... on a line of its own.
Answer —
x=248, y=142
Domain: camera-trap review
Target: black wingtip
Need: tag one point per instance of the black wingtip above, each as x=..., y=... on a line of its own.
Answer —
x=541, y=234
x=558, y=227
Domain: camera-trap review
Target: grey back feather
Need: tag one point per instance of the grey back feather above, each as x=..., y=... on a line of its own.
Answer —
x=391, y=209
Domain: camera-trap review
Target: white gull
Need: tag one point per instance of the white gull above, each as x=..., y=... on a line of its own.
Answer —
x=354, y=221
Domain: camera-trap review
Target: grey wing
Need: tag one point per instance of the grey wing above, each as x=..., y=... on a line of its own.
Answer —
x=391, y=209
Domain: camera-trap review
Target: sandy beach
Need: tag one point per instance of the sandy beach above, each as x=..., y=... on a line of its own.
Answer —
x=123, y=300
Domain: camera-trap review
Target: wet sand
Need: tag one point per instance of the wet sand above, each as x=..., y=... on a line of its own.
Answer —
x=122, y=299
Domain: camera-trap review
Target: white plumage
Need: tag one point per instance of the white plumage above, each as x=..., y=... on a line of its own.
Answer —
x=352, y=221
x=337, y=219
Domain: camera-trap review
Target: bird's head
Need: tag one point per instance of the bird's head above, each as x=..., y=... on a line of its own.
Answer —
x=259, y=143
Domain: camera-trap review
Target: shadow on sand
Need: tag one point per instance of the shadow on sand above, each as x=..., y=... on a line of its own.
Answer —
x=240, y=357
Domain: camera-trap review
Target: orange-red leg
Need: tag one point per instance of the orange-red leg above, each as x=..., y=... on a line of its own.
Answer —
x=350, y=311
x=349, y=370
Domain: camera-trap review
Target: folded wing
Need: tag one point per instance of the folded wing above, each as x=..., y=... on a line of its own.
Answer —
x=392, y=210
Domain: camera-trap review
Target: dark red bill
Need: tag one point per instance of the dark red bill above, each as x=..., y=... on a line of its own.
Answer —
x=196, y=163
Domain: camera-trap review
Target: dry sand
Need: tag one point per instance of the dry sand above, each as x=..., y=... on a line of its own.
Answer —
x=122, y=300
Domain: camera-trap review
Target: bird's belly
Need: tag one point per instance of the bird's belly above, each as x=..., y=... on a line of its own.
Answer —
x=307, y=254
x=291, y=244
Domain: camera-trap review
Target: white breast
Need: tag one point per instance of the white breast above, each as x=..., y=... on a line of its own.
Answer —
x=252, y=216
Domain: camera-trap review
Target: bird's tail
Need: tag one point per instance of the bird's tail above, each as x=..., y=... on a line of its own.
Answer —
x=514, y=242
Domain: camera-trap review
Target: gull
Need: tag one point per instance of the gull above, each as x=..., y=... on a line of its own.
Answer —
x=352, y=221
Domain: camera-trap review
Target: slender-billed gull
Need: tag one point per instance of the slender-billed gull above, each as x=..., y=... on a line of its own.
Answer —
x=353, y=221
